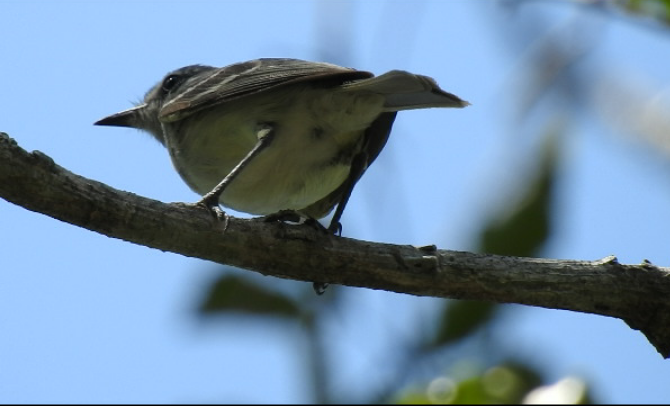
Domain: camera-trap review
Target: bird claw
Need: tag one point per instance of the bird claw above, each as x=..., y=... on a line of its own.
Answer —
x=335, y=228
x=214, y=209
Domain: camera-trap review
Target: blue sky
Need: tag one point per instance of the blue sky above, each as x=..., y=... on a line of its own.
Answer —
x=87, y=318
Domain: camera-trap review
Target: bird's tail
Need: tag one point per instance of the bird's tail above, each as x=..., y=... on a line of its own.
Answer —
x=406, y=91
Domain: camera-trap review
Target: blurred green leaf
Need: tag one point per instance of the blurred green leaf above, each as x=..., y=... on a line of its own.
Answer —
x=510, y=381
x=471, y=392
x=526, y=228
x=507, y=383
x=658, y=10
x=461, y=318
x=235, y=294
x=502, y=384
x=412, y=397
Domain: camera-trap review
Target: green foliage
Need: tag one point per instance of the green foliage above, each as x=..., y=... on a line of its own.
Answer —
x=462, y=318
x=526, y=228
x=659, y=10
x=503, y=384
x=235, y=294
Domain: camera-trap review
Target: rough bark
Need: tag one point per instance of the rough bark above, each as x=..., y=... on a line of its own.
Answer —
x=637, y=294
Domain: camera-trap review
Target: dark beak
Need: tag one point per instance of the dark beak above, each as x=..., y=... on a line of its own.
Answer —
x=126, y=118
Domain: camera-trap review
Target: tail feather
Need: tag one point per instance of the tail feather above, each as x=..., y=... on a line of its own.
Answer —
x=406, y=91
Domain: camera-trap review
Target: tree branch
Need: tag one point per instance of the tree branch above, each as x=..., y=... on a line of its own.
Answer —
x=639, y=295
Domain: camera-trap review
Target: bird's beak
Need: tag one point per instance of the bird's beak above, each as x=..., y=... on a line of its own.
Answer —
x=126, y=118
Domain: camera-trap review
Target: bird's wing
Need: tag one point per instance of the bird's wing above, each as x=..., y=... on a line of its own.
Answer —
x=247, y=78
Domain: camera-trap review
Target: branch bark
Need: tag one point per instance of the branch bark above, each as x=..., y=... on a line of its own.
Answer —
x=637, y=294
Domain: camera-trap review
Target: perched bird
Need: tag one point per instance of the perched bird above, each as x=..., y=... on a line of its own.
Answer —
x=277, y=135
x=274, y=135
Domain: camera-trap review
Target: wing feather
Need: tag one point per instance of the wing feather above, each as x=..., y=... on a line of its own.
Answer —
x=244, y=79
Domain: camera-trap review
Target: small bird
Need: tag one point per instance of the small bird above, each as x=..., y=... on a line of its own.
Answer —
x=277, y=135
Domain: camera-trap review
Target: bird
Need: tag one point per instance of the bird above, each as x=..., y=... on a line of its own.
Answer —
x=277, y=135
x=280, y=137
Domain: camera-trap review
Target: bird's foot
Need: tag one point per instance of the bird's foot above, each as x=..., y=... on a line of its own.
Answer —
x=210, y=203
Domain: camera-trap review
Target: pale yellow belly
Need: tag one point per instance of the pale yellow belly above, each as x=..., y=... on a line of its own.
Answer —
x=303, y=164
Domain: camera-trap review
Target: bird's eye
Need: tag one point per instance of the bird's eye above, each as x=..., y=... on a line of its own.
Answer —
x=170, y=82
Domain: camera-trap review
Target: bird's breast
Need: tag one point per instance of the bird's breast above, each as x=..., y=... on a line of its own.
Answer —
x=316, y=132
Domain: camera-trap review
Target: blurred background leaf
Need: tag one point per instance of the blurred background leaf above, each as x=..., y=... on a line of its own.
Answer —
x=461, y=318
x=525, y=226
x=234, y=293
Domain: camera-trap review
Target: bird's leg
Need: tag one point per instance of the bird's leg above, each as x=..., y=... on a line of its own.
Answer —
x=358, y=165
x=265, y=134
